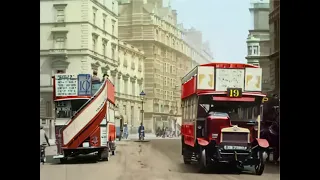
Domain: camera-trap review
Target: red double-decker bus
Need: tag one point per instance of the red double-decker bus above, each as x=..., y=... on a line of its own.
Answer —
x=221, y=111
x=85, y=116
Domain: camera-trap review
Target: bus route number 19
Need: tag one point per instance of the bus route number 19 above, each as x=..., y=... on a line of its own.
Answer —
x=234, y=92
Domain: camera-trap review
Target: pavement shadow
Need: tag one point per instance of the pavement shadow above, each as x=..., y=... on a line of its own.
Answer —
x=142, y=141
x=224, y=169
x=83, y=159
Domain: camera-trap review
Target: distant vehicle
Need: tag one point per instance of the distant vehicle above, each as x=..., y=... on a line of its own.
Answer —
x=221, y=109
x=141, y=135
x=85, y=116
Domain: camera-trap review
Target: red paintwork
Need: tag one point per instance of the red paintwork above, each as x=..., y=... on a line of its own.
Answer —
x=57, y=98
x=207, y=92
x=263, y=143
x=187, y=130
x=112, y=132
x=216, y=124
x=110, y=92
x=189, y=88
x=202, y=141
x=82, y=111
x=242, y=99
x=88, y=129
x=92, y=129
x=95, y=138
x=230, y=65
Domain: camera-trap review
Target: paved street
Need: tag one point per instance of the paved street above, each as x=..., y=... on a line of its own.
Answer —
x=158, y=159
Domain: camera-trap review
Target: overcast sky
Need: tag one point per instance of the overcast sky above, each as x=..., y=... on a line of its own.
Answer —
x=224, y=23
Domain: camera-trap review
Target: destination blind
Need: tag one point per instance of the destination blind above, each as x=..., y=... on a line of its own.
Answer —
x=66, y=85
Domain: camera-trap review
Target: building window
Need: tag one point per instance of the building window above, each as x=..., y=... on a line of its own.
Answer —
x=48, y=109
x=249, y=50
x=59, y=42
x=104, y=48
x=124, y=109
x=157, y=34
x=140, y=87
x=255, y=50
x=125, y=87
x=60, y=15
x=133, y=89
x=132, y=114
x=112, y=6
x=118, y=85
x=94, y=42
x=94, y=15
x=104, y=24
x=60, y=71
x=113, y=26
x=113, y=53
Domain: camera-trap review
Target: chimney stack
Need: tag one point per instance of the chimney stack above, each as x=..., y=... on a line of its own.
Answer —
x=174, y=12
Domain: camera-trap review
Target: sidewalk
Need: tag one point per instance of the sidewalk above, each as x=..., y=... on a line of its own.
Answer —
x=148, y=136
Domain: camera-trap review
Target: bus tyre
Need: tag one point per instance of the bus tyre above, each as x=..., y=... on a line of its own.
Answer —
x=259, y=168
x=186, y=160
x=104, y=154
x=202, y=161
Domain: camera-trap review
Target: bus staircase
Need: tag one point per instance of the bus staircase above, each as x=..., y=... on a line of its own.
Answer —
x=85, y=121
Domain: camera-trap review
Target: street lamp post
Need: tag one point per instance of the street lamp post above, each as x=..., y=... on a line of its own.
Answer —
x=142, y=94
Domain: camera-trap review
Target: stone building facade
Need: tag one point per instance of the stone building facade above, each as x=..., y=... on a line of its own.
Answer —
x=129, y=78
x=274, y=20
x=75, y=37
x=149, y=26
x=258, y=40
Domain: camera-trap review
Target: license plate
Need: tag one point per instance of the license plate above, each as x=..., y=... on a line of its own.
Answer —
x=235, y=147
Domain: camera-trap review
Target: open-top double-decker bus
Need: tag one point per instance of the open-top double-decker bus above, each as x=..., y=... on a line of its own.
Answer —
x=85, y=116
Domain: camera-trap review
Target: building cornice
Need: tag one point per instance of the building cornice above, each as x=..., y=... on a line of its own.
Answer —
x=257, y=57
x=130, y=48
x=80, y=22
x=105, y=8
x=87, y=52
x=275, y=54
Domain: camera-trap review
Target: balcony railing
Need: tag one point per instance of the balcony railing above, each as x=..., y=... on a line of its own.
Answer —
x=127, y=96
x=58, y=52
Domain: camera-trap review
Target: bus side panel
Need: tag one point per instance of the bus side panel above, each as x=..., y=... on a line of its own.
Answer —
x=187, y=130
x=110, y=92
x=189, y=88
x=112, y=131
